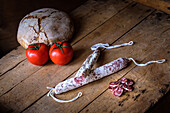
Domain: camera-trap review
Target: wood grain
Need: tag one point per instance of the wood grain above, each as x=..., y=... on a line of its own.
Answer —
x=151, y=82
x=15, y=59
x=83, y=25
x=11, y=60
x=149, y=86
x=163, y=5
x=93, y=90
x=151, y=36
x=16, y=78
x=93, y=14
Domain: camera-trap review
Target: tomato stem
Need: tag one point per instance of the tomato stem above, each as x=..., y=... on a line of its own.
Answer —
x=60, y=46
x=35, y=47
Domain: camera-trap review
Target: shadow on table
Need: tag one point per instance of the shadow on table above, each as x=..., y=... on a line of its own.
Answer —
x=162, y=106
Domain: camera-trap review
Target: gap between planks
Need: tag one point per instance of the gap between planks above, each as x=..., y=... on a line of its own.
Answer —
x=133, y=27
x=18, y=83
x=103, y=23
x=12, y=68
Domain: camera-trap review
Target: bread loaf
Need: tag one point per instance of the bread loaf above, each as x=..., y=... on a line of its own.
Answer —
x=45, y=25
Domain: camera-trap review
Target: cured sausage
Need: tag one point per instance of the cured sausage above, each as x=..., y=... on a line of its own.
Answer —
x=98, y=73
x=86, y=68
x=121, y=86
x=95, y=74
x=88, y=64
x=84, y=74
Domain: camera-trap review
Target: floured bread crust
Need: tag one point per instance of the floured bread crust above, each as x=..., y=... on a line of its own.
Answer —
x=45, y=25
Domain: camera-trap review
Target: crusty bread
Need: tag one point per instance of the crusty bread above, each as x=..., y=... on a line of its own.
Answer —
x=45, y=25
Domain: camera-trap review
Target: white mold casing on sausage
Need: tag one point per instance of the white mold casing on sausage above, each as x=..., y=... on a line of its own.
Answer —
x=87, y=65
x=95, y=74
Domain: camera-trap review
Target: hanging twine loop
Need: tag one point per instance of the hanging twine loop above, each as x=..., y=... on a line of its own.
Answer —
x=52, y=91
x=107, y=46
x=150, y=62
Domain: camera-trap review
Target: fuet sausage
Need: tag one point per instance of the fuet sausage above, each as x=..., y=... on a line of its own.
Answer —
x=95, y=74
x=86, y=67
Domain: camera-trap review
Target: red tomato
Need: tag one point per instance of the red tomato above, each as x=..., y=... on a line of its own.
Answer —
x=37, y=53
x=61, y=53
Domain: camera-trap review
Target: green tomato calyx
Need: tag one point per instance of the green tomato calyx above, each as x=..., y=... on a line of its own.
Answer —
x=58, y=45
x=35, y=46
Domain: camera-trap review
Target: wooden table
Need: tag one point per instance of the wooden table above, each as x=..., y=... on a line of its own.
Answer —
x=23, y=85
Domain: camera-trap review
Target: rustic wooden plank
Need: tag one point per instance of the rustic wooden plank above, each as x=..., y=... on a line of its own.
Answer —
x=15, y=59
x=11, y=60
x=162, y=105
x=157, y=79
x=151, y=82
x=83, y=18
x=140, y=51
x=13, y=78
x=90, y=92
x=163, y=5
x=93, y=15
